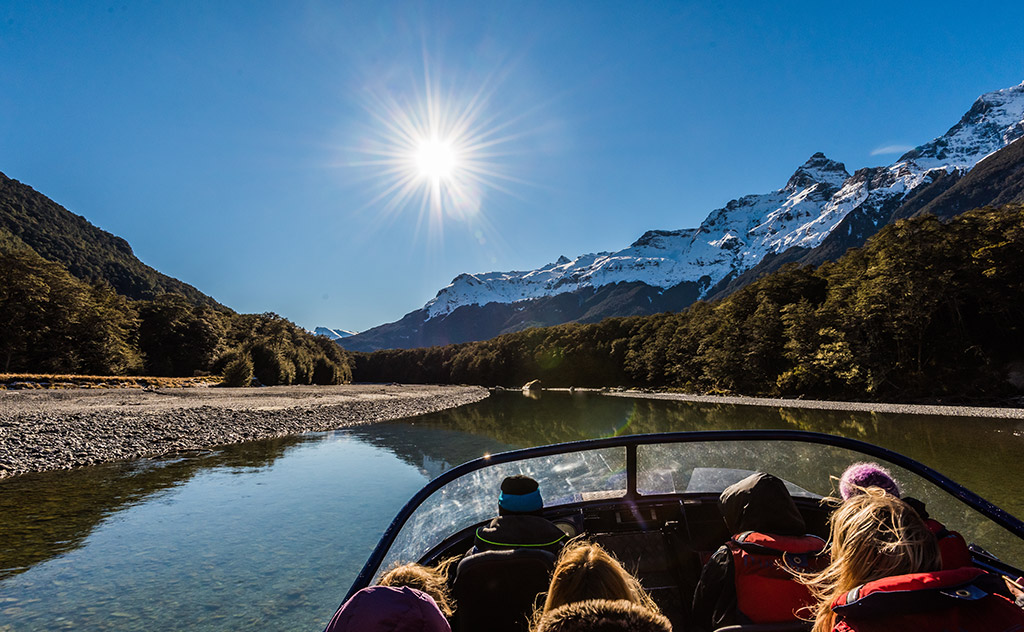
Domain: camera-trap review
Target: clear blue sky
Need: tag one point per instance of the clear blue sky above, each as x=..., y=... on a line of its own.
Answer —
x=227, y=141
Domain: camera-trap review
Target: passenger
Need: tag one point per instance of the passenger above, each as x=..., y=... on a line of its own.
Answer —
x=884, y=575
x=602, y=615
x=860, y=476
x=587, y=571
x=389, y=609
x=519, y=522
x=751, y=578
x=431, y=580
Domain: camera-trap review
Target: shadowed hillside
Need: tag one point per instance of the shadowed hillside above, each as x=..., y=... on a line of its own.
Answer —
x=89, y=253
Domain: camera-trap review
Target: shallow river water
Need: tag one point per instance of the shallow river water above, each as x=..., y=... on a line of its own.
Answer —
x=269, y=535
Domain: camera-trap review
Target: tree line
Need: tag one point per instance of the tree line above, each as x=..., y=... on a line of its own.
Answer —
x=925, y=309
x=52, y=322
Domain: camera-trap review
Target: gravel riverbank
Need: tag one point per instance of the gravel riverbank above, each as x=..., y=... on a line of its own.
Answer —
x=903, y=409
x=60, y=429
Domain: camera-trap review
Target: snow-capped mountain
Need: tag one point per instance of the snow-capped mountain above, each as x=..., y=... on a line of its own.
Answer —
x=816, y=199
x=732, y=238
x=333, y=334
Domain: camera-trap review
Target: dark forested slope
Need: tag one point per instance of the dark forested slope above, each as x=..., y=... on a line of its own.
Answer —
x=88, y=253
x=997, y=180
x=74, y=299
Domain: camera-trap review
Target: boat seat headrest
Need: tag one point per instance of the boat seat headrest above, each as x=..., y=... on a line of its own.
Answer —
x=497, y=590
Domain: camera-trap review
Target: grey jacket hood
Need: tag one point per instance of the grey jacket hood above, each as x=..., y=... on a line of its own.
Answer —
x=760, y=502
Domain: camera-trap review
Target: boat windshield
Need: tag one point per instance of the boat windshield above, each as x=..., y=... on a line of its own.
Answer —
x=684, y=467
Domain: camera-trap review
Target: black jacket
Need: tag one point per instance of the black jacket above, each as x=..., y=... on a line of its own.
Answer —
x=519, y=531
x=760, y=503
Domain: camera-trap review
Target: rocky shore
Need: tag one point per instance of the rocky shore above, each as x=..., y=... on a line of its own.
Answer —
x=1004, y=412
x=60, y=429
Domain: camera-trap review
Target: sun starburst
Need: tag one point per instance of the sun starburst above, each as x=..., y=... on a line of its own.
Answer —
x=437, y=151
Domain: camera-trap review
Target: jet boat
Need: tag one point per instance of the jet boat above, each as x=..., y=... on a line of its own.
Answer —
x=652, y=500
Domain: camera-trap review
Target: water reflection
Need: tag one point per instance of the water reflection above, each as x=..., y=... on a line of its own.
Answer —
x=428, y=448
x=270, y=542
x=46, y=514
x=514, y=420
x=976, y=452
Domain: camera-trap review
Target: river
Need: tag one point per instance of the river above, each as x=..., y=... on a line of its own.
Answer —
x=269, y=535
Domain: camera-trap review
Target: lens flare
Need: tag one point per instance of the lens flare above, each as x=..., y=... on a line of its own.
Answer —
x=436, y=150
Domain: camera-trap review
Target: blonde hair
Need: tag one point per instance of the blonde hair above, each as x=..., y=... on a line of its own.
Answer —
x=602, y=614
x=586, y=571
x=873, y=535
x=431, y=580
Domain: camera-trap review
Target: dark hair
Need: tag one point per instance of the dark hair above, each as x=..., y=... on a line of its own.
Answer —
x=602, y=615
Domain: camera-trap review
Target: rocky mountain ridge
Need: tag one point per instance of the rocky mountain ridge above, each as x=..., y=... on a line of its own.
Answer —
x=821, y=208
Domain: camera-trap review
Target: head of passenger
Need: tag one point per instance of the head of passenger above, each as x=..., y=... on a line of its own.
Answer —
x=430, y=580
x=520, y=495
x=861, y=476
x=602, y=615
x=389, y=609
x=873, y=535
x=587, y=571
x=761, y=503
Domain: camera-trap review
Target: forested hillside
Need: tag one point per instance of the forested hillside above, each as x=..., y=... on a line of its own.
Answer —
x=924, y=309
x=75, y=300
x=88, y=253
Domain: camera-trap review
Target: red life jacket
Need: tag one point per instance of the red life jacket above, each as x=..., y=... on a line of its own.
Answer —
x=960, y=600
x=765, y=591
x=952, y=546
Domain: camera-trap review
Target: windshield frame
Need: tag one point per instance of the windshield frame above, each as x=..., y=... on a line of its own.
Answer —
x=631, y=442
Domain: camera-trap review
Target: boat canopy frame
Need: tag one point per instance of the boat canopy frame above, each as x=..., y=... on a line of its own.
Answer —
x=631, y=442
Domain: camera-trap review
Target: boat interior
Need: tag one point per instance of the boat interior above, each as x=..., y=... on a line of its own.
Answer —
x=651, y=501
x=664, y=542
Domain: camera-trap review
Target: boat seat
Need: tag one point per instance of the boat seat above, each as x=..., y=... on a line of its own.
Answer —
x=496, y=591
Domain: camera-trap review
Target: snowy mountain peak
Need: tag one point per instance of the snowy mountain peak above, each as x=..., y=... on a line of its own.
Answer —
x=333, y=334
x=995, y=120
x=818, y=169
x=659, y=238
x=814, y=201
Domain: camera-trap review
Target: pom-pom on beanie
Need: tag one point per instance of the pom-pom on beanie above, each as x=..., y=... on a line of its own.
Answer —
x=861, y=475
x=519, y=494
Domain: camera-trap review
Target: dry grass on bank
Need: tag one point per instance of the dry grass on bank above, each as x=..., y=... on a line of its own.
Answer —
x=18, y=381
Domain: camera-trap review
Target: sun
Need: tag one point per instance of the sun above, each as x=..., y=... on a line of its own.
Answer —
x=438, y=151
x=436, y=159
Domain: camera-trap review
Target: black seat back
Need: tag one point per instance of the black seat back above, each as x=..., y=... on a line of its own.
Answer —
x=496, y=591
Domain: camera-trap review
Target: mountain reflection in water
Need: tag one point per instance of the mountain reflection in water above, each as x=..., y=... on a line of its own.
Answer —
x=45, y=514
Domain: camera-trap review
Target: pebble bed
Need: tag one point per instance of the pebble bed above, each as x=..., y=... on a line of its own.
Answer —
x=51, y=430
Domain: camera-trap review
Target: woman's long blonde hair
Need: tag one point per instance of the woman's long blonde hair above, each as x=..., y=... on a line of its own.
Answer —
x=873, y=535
x=431, y=580
x=587, y=571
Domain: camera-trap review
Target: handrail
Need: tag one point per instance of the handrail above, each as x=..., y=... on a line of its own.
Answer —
x=964, y=495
